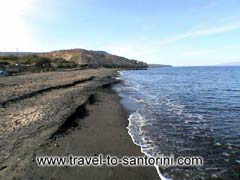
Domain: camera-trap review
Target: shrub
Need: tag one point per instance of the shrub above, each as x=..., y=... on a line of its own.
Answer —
x=62, y=63
x=43, y=62
x=11, y=57
x=27, y=60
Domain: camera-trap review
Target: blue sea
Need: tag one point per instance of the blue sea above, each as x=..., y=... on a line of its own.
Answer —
x=186, y=111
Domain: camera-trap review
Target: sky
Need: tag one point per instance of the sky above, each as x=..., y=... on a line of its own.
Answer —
x=176, y=32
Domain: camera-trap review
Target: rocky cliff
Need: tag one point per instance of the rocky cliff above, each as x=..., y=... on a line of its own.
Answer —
x=95, y=59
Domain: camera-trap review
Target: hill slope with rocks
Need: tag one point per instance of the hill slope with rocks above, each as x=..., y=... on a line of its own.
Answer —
x=95, y=58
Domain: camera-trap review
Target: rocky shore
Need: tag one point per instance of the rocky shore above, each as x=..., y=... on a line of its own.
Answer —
x=38, y=108
x=33, y=102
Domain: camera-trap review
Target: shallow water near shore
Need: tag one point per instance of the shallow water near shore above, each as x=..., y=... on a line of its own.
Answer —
x=186, y=111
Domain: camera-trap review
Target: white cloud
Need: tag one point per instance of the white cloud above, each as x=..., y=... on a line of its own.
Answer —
x=199, y=52
x=200, y=32
x=16, y=31
x=139, y=49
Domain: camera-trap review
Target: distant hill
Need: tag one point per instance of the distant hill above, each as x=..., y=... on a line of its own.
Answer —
x=17, y=53
x=86, y=57
x=158, y=65
x=230, y=64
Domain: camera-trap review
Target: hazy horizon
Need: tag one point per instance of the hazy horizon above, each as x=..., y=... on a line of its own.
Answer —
x=235, y=63
x=179, y=33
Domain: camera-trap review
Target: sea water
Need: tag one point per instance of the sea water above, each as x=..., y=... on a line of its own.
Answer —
x=186, y=111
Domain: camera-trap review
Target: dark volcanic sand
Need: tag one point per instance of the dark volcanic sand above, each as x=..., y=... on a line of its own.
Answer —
x=103, y=131
x=42, y=103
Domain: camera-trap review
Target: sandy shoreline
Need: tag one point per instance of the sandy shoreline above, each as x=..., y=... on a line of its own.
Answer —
x=101, y=130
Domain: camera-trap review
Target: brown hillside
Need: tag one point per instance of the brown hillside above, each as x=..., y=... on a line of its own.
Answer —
x=95, y=58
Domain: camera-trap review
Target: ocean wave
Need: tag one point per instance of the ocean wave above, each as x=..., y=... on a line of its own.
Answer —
x=136, y=122
x=181, y=114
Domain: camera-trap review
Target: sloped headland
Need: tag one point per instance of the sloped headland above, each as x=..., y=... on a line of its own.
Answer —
x=24, y=62
x=95, y=59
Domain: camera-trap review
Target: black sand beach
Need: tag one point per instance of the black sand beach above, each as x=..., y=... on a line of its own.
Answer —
x=98, y=126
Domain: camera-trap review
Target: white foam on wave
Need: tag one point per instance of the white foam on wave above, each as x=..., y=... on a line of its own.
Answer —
x=136, y=121
x=175, y=108
x=119, y=75
x=137, y=118
x=138, y=100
